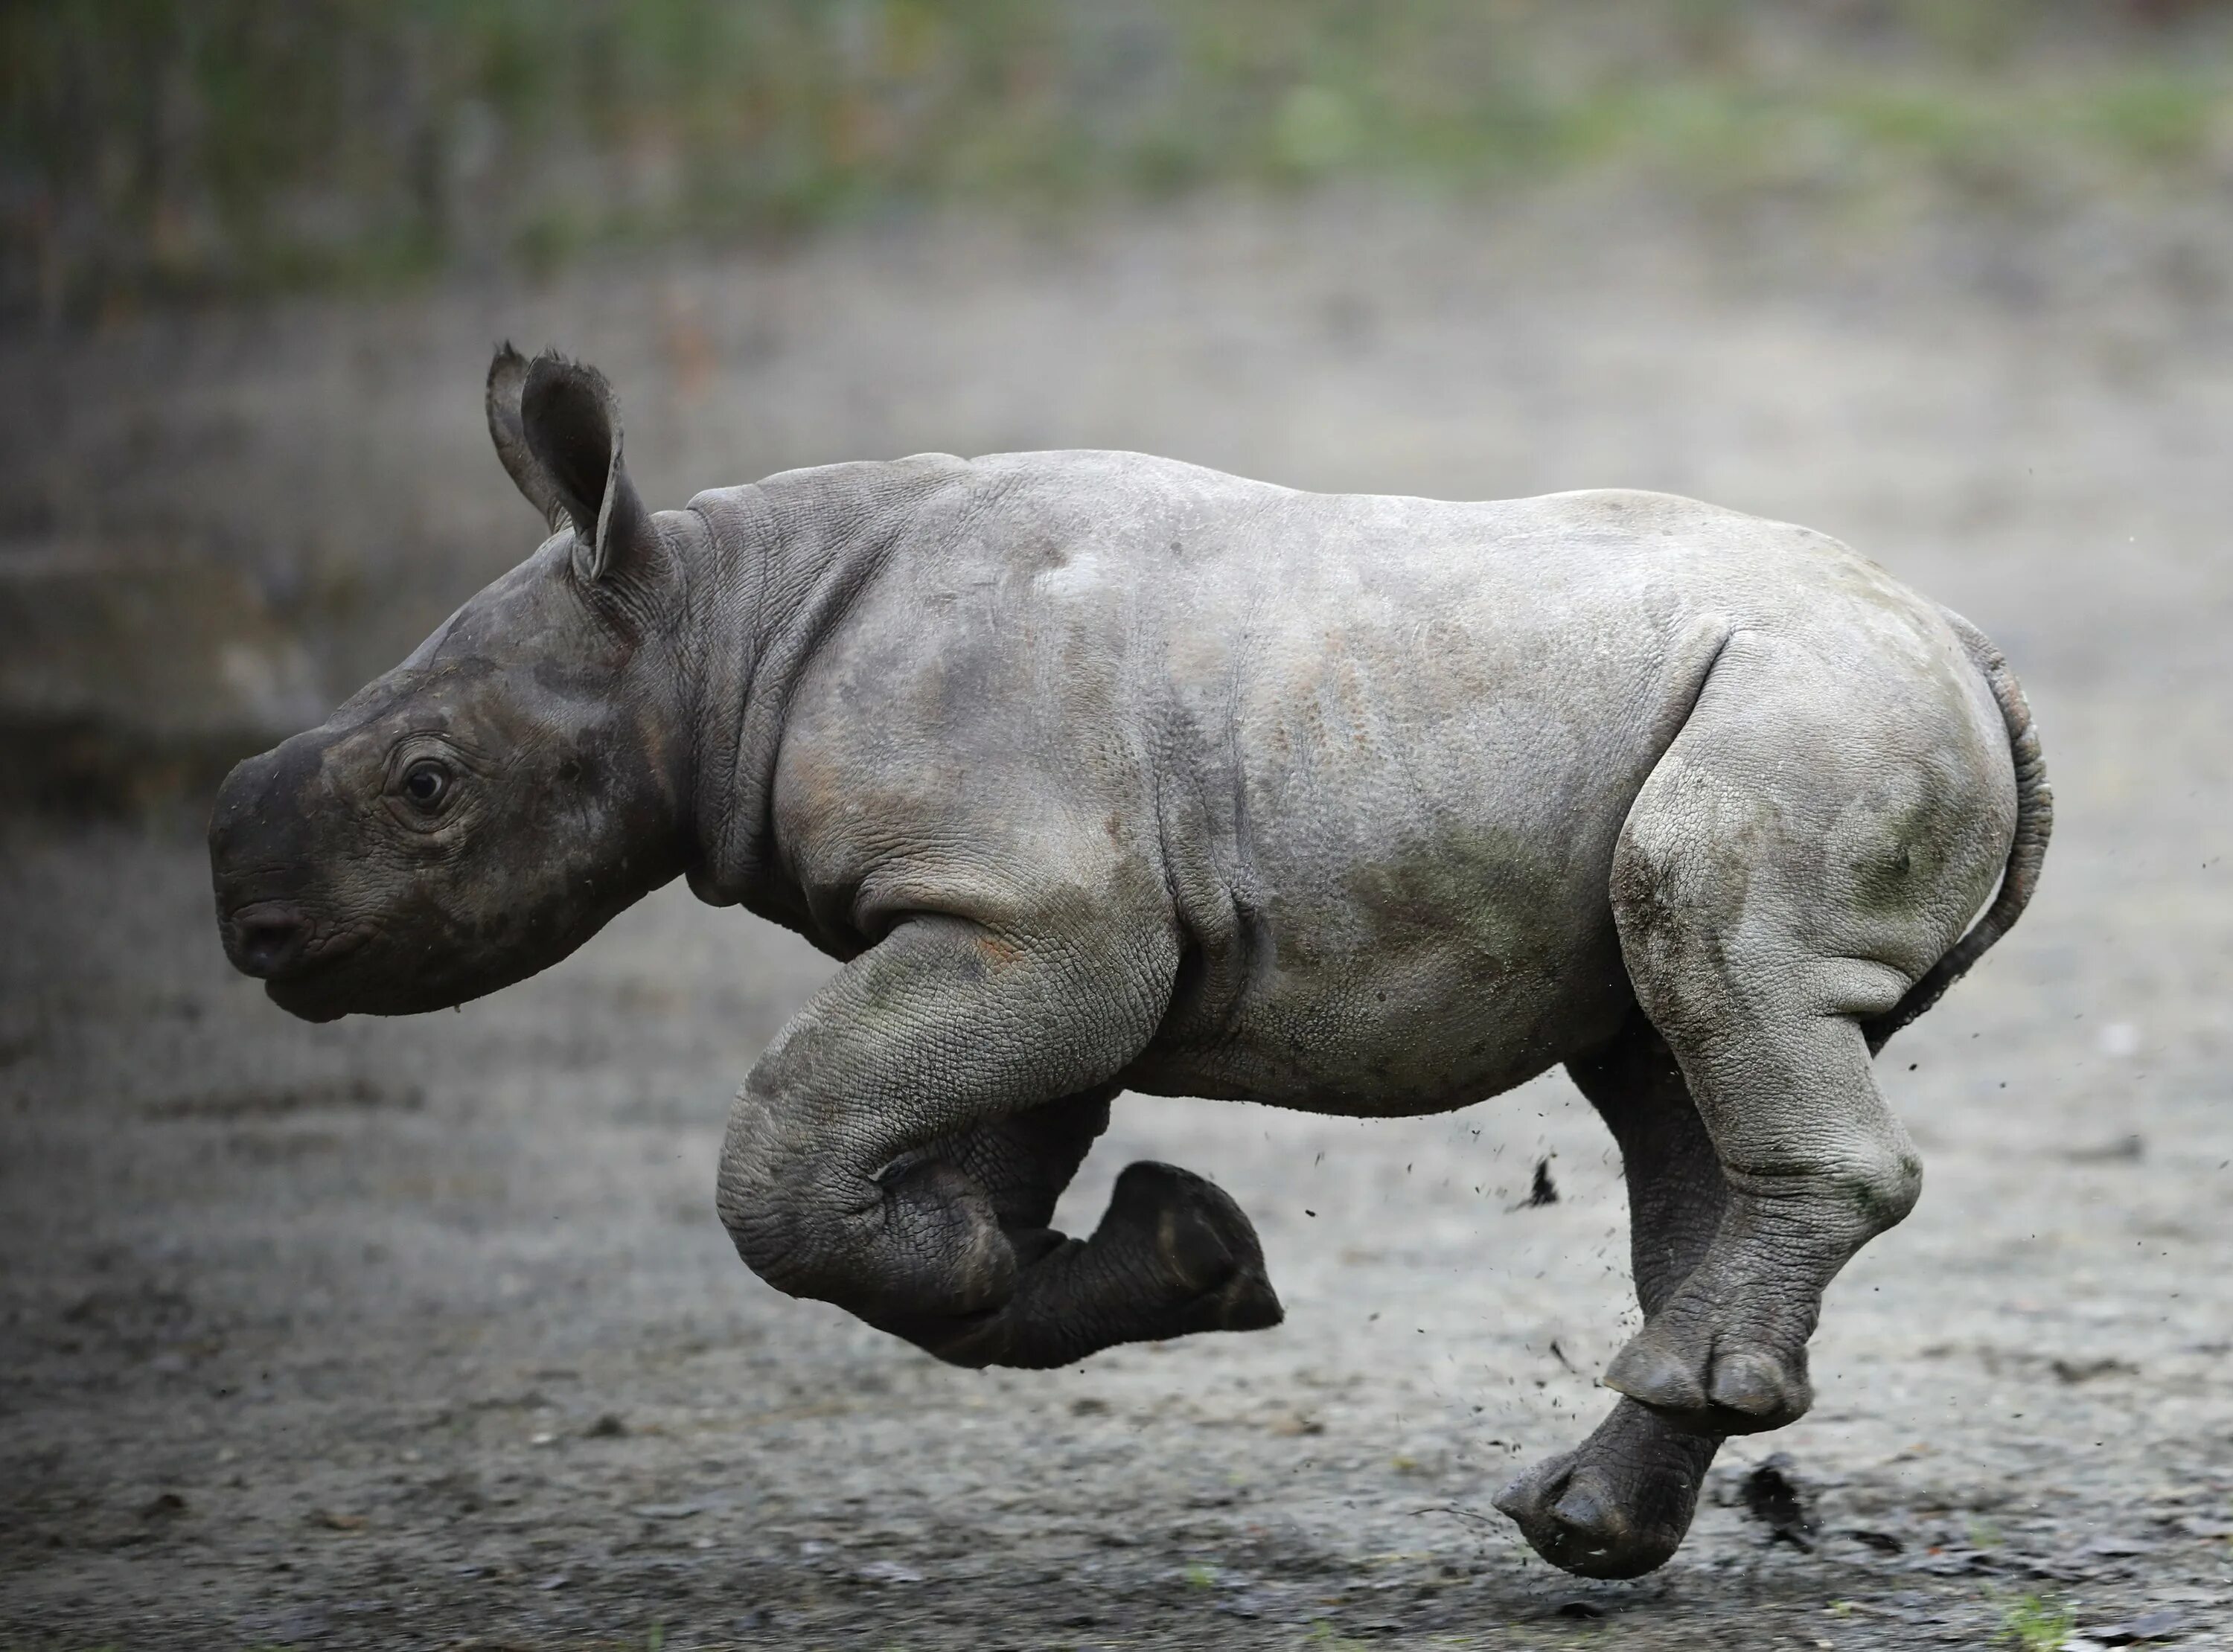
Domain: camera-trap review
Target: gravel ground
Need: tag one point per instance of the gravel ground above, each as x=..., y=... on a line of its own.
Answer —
x=424, y=1332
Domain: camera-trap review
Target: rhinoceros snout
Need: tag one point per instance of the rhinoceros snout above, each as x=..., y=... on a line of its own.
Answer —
x=265, y=937
x=256, y=871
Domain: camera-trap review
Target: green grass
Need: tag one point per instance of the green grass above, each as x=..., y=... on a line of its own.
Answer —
x=235, y=145
x=2037, y=1624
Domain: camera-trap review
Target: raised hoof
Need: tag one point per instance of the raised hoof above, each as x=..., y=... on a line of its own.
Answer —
x=1246, y=1302
x=1730, y=1391
x=1204, y=1246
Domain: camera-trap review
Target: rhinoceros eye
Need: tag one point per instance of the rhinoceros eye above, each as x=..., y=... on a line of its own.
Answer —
x=426, y=783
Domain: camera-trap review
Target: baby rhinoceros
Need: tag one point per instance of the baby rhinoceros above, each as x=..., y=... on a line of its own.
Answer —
x=1101, y=771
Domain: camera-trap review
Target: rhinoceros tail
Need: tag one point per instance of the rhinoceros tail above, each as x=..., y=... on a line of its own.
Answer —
x=2034, y=823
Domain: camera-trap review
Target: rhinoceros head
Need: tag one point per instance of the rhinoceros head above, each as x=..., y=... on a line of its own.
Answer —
x=479, y=811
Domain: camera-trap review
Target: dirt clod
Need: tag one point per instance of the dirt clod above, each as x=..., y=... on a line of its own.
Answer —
x=1775, y=1497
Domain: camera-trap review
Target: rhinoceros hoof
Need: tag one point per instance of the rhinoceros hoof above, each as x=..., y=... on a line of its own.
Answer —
x=1246, y=1302
x=1601, y=1518
x=1707, y=1384
x=1204, y=1259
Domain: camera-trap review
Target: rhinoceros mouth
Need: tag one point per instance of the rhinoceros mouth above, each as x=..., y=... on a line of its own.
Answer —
x=306, y=985
x=380, y=980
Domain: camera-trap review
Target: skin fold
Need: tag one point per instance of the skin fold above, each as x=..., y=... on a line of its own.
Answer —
x=1101, y=772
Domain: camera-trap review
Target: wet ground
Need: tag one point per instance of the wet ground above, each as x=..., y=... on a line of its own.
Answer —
x=424, y=1332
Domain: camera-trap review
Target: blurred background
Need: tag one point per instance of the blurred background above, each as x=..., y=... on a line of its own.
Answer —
x=252, y=257
x=350, y=1334
x=221, y=149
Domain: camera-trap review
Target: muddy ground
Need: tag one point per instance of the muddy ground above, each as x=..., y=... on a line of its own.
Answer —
x=423, y=1333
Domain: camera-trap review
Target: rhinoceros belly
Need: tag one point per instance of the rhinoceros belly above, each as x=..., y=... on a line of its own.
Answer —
x=1413, y=983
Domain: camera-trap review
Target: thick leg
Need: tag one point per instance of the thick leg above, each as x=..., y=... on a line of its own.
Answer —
x=1817, y=1166
x=900, y=1148
x=1172, y=1255
x=1806, y=848
x=1618, y=1506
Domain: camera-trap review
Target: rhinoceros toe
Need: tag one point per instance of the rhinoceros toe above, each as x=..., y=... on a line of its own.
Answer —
x=1707, y=1384
x=1619, y=1504
x=1210, y=1263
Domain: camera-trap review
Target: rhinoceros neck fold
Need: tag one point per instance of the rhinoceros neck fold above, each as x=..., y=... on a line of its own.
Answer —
x=791, y=554
x=728, y=599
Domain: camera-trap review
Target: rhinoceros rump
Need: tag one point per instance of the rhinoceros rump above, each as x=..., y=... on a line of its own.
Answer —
x=1102, y=771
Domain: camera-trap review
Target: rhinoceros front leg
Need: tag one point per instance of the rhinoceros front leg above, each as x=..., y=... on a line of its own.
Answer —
x=900, y=1148
x=1173, y=1254
x=1619, y=1504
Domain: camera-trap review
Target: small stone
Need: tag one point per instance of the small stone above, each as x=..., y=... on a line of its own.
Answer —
x=2149, y=1626
x=2114, y=1544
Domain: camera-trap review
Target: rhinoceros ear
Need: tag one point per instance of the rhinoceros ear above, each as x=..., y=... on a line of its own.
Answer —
x=566, y=454
x=507, y=377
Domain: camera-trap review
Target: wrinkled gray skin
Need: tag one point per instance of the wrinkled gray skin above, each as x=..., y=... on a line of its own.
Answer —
x=1101, y=772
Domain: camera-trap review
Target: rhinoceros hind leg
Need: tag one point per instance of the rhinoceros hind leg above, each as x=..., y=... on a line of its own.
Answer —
x=1809, y=846
x=1816, y=1166
x=1619, y=1504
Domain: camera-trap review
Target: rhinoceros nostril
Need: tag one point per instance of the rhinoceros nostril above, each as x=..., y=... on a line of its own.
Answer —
x=268, y=937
